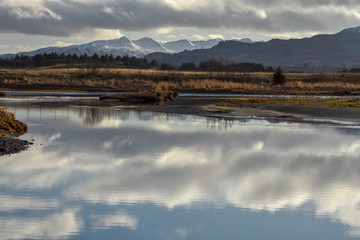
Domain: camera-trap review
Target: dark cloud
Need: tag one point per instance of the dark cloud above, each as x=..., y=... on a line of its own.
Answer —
x=66, y=18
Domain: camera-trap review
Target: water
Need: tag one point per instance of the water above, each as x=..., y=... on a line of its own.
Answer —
x=112, y=173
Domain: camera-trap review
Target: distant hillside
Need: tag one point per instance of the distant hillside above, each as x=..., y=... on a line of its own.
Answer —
x=338, y=49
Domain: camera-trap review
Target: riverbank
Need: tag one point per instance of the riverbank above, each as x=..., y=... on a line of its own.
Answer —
x=287, y=109
x=311, y=109
x=10, y=129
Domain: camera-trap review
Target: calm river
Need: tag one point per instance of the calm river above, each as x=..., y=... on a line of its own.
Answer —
x=112, y=173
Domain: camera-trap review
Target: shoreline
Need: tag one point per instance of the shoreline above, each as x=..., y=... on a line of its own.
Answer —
x=310, y=109
x=209, y=107
x=10, y=130
x=260, y=108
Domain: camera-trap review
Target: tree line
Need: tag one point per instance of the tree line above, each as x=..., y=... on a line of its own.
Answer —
x=214, y=65
x=71, y=60
x=109, y=61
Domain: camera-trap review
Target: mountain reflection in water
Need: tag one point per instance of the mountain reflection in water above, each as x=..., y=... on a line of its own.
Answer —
x=142, y=175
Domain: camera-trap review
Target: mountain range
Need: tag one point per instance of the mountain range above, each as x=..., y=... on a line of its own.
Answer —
x=342, y=48
x=332, y=50
x=123, y=46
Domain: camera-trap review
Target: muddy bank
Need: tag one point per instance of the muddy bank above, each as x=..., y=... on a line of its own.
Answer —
x=151, y=97
x=218, y=106
x=10, y=129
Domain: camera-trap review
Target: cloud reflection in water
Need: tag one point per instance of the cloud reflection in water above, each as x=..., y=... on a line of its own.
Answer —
x=122, y=159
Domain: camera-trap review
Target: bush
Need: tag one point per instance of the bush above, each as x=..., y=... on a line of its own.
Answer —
x=279, y=77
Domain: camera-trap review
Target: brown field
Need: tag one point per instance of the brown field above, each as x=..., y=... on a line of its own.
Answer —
x=84, y=79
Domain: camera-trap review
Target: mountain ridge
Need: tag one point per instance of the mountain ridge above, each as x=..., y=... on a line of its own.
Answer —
x=122, y=47
x=342, y=48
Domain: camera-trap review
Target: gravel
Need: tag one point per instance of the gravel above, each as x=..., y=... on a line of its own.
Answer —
x=12, y=145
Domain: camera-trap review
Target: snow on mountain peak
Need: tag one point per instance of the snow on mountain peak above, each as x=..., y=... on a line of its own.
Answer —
x=184, y=44
x=151, y=45
x=351, y=30
x=124, y=46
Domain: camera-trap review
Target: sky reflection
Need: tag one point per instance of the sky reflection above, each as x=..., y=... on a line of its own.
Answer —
x=118, y=162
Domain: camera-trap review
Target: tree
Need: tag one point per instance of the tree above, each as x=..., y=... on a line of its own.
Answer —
x=279, y=77
x=188, y=66
x=166, y=66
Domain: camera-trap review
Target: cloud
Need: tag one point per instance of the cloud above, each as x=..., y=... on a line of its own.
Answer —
x=256, y=167
x=198, y=37
x=21, y=9
x=119, y=219
x=212, y=36
x=53, y=226
x=69, y=17
x=15, y=203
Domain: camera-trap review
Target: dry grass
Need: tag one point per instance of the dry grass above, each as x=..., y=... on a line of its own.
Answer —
x=137, y=80
x=307, y=102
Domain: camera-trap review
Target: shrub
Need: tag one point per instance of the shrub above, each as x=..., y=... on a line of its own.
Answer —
x=279, y=77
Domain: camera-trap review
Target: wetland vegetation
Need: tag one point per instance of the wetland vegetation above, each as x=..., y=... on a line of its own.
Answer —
x=82, y=79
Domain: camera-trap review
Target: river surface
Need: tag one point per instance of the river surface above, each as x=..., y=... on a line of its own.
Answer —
x=114, y=173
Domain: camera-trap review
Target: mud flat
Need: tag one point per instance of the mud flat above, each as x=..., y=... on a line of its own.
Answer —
x=293, y=109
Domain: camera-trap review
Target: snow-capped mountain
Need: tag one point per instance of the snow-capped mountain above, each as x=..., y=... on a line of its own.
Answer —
x=117, y=47
x=245, y=40
x=337, y=50
x=151, y=45
x=123, y=46
x=351, y=30
x=182, y=45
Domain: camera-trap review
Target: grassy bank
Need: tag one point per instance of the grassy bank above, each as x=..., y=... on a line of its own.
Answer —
x=135, y=80
x=307, y=102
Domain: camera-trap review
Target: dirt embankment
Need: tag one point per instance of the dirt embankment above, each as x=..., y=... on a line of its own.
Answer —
x=142, y=97
x=10, y=128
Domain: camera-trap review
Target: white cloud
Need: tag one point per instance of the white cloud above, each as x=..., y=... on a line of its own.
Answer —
x=212, y=36
x=163, y=30
x=98, y=33
x=14, y=203
x=53, y=226
x=62, y=44
x=119, y=219
x=29, y=10
x=171, y=36
x=70, y=18
x=181, y=232
x=255, y=167
x=198, y=37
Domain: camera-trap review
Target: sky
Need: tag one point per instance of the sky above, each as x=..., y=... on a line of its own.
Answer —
x=30, y=24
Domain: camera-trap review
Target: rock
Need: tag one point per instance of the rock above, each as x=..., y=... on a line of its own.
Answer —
x=12, y=145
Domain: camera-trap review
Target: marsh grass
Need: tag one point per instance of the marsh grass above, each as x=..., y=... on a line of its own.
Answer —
x=187, y=81
x=307, y=102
